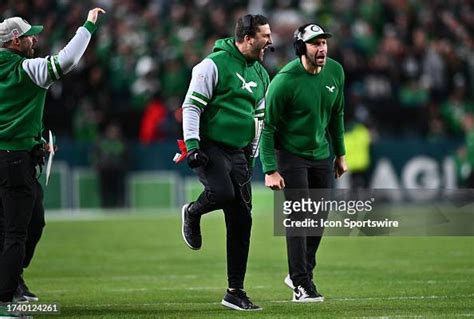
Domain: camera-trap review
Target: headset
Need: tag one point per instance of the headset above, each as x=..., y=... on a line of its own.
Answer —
x=247, y=24
x=298, y=43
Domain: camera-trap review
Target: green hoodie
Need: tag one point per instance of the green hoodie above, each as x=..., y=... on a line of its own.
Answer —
x=228, y=114
x=21, y=106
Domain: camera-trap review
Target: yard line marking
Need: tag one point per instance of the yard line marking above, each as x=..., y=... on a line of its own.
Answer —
x=429, y=281
x=389, y=298
x=127, y=290
x=419, y=316
x=144, y=304
x=272, y=301
x=142, y=289
x=176, y=288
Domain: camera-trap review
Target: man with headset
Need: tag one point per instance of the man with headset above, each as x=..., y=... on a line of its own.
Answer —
x=305, y=104
x=222, y=115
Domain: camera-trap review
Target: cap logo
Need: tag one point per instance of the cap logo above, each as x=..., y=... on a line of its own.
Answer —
x=315, y=28
x=15, y=33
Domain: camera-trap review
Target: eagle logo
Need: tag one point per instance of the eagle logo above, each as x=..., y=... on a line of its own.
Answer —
x=246, y=85
x=330, y=88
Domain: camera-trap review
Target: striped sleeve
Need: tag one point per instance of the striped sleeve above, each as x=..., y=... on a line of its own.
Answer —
x=201, y=89
x=203, y=82
x=196, y=99
x=54, y=68
x=44, y=71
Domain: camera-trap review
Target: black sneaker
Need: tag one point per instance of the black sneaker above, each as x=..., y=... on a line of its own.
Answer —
x=290, y=285
x=307, y=294
x=191, y=228
x=23, y=293
x=238, y=300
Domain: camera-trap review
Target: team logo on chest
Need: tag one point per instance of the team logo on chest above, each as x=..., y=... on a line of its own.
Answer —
x=246, y=85
x=330, y=88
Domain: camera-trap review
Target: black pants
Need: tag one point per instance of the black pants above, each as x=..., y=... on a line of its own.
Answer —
x=21, y=217
x=302, y=174
x=226, y=180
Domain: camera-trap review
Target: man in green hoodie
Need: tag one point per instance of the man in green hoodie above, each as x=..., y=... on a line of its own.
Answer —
x=305, y=106
x=222, y=116
x=24, y=81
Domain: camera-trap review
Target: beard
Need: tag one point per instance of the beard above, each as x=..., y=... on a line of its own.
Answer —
x=314, y=60
x=30, y=53
x=27, y=50
x=258, y=53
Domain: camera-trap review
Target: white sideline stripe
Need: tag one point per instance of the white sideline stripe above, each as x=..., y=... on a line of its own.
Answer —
x=429, y=281
x=273, y=301
x=113, y=305
x=420, y=316
x=155, y=288
x=390, y=298
x=127, y=290
x=176, y=288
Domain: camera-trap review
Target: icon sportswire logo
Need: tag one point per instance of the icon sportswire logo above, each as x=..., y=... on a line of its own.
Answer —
x=246, y=85
x=330, y=88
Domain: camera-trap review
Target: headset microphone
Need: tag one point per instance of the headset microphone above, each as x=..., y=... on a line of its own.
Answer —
x=272, y=49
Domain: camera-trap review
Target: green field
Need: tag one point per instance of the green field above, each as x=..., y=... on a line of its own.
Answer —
x=137, y=266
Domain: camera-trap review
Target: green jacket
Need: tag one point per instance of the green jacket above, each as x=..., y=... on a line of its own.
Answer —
x=225, y=96
x=23, y=86
x=303, y=111
x=21, y=106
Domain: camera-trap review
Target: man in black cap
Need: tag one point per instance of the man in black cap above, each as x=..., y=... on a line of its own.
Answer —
x=24, y=82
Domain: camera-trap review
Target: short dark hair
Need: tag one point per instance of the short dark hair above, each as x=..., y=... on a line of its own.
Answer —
x=248, y=25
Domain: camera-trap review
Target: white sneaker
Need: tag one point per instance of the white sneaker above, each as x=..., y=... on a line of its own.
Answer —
x=289, y=282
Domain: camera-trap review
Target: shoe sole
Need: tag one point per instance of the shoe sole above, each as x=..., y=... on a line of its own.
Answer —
x=183, y=212
x=232, y=306
x=307, y=300
x=31, y=298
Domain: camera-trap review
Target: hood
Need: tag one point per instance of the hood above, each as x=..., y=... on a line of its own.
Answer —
x=228, y=45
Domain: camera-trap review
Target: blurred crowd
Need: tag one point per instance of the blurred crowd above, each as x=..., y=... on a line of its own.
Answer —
x=409, y=63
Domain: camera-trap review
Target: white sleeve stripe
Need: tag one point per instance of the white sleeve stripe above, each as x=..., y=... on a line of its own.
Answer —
x=55, y=70
x=192, y=97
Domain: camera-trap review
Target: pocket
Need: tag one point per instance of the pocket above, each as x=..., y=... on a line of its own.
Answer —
x=15, y=171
